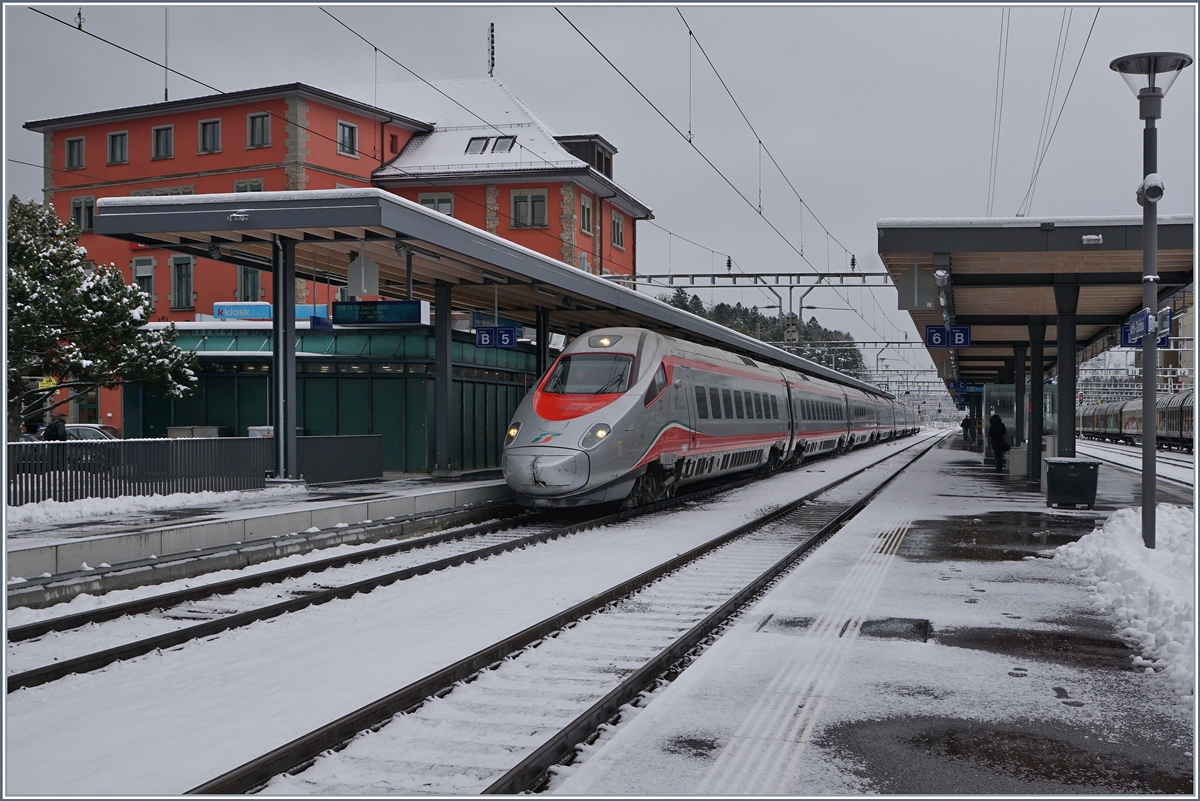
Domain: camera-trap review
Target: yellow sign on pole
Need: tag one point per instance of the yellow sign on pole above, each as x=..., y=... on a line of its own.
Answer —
x=48, y=382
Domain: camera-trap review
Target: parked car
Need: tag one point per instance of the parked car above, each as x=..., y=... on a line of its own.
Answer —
x=92, y=431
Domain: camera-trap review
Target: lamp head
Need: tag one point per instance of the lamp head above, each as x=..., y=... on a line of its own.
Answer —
x=1147, y=72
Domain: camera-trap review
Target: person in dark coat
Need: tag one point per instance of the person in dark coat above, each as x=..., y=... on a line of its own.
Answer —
x=966, y=427
x=56, y=431
x=996, y=437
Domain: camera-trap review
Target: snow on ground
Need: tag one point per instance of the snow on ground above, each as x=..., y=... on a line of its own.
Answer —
x=1151, y=593
x=58, y=511
x=1172, y=465
x=770, y=707
x=168, y=721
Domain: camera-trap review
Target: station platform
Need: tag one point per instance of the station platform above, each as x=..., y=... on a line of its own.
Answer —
x=932, y=646
x=233, y=529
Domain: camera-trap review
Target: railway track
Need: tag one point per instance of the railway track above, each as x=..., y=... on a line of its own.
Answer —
x=1177, y=470
x=496, y=721
x=37, y=654
x=1164, y=456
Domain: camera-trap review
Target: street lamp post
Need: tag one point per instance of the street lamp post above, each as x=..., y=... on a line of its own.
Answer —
x=1150, y=75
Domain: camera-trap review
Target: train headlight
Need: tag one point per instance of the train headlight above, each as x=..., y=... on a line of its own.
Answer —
x=594, y=436
x=511, y=434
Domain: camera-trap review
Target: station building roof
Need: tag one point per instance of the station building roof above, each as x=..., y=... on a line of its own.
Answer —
x=1002, y=274
x=330, y=225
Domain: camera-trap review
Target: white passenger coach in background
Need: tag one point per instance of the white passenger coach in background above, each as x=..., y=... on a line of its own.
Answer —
x=629, y=415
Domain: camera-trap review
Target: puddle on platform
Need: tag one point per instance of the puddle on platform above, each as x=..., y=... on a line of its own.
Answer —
x=992, y=536
x=949, y=756
x=1077, y=648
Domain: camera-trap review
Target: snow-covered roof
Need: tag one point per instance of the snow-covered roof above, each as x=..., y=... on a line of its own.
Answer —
x=464, y=109
x=1022, y=222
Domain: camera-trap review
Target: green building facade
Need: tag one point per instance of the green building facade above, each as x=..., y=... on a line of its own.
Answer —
x=349, y=382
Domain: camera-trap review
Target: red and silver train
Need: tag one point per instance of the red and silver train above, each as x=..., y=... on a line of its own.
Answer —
x=1121, y=421
x=629, y=415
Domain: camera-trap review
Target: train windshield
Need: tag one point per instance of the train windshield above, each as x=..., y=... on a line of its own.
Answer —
x=590, y=374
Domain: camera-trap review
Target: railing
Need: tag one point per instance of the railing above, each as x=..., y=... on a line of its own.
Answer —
x=68, y=471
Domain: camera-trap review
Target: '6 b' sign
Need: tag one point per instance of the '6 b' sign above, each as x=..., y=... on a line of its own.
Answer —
x=939, y=336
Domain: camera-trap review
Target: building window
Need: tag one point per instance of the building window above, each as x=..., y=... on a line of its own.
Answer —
x=182, y=296
x=585, y=214
x=438, y=201
x=618, y=229
x=75, y=154
x=83, y=210
x=89, y=266
x=118, y=148
x=477, y=145
x=251, y=185
x=163, y=190
x=143, y=276
x=529, y=208
x=347, y=139
x=258, y=130
x=249, y=285
x=504, y=144
x=210, y=136
x=163, y=142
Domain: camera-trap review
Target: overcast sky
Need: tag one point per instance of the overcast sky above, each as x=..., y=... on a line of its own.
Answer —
x=872, y=112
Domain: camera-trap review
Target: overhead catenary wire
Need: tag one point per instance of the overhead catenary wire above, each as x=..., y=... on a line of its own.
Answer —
x=998, y=106
x=1056, y=65
x=1066, y=96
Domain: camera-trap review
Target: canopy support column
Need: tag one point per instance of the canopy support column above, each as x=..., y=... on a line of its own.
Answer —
x=1066, y=301
x=283, y=356
x=443, y=376
x=1037, y=358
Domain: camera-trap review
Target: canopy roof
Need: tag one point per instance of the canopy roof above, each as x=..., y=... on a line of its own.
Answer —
x=1002, y=274
x=330, y=225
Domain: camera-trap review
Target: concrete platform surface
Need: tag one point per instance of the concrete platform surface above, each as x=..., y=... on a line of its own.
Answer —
x=64, y=545
x=932, y=646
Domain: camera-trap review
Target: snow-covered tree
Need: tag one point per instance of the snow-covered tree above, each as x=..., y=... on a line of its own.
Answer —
x=81, y=327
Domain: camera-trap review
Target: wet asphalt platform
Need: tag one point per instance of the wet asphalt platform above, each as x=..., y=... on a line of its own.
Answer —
x=979, y=666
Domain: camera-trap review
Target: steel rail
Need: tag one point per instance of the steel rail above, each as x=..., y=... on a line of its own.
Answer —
x=297, y=753
x=40, y=628
x=96, y=660
x=1137, y=470
x=529, y=771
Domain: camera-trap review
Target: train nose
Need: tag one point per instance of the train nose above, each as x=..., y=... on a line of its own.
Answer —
x=546, y=471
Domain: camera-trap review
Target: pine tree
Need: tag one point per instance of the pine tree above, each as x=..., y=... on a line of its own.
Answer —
x=79, y=327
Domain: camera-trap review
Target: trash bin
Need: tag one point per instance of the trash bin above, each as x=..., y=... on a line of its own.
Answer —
x=1071, y=481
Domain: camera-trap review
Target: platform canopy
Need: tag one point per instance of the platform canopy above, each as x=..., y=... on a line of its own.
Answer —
x=1001, y=274
x=331, y=227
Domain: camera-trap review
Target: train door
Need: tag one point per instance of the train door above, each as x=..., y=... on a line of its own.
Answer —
x=682, y=395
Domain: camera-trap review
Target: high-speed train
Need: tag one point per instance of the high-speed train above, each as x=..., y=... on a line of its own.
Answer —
x=629, y=415
x=1121, y=421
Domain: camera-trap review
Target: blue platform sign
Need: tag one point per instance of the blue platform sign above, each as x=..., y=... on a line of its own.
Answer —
x=960, y=336
x=936, y=336
x=1133, y=331
x=493, y=337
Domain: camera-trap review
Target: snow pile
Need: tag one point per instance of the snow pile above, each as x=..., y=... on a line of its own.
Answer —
x=56, y=511
x=1150, y=592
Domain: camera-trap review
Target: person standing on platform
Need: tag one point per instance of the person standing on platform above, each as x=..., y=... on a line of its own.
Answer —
x=56, y=431
x=996, y=434
x=966, y=427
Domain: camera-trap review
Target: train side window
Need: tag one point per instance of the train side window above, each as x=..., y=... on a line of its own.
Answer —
x=702, y=403
x=758, y=409
x=714, y=395
x=737, y=404
x=727, y=396
x=774, y=408
x=657, y=385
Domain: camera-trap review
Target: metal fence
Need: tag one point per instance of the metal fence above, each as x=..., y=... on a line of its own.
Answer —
x=68, y=471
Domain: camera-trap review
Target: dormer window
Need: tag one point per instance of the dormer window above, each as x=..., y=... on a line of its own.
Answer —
x=504, y=144
x=477, y=145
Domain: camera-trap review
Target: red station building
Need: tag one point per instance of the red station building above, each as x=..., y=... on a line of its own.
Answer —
x=482, y=157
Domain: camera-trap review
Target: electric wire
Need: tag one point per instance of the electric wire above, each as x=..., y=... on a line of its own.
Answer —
x=1066, y=96
x=1060, y=52
x=998, y=106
